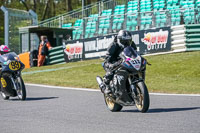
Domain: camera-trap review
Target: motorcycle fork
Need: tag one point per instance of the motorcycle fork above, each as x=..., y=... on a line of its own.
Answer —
x=133, y=83
x=14, y=84
x=14, y=77
x=133, y=88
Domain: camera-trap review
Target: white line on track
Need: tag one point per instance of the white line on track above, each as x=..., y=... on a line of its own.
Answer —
x=86, y=89
x=167, y=94
x=60, y=87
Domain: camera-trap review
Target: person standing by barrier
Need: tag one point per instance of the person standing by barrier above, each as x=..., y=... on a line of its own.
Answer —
x=43, y=50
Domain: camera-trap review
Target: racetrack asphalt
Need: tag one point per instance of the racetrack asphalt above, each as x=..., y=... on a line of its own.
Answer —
x=53, y=110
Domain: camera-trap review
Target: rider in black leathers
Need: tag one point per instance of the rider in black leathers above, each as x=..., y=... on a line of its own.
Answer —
x=112, y=59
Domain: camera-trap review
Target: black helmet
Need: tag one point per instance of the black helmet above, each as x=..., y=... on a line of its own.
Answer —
x=124, y=38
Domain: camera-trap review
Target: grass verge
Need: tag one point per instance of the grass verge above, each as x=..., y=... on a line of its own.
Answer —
x=172, y=73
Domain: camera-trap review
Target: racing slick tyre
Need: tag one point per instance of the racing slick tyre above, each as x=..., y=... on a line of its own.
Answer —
x=111, y=105
x=21, y=91
x=142, y=97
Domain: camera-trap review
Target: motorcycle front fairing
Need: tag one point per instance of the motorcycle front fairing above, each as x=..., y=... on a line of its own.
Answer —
x=8, y=56
x=120, y=81
x=132, y=61
x=10, y=63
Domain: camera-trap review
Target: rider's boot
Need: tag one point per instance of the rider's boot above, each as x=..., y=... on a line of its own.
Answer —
x=107, y=90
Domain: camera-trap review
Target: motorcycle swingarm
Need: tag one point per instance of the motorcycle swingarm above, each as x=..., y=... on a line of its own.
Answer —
x=122, y=103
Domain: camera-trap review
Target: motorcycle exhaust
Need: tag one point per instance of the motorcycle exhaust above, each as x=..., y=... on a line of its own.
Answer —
x=100, y=82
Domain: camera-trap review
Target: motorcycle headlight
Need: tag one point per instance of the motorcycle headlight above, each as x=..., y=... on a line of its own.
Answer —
x=17, y=58
x=6, y=62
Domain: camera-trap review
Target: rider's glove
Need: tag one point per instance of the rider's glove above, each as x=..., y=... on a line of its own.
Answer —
x=111, y=66
x=118, y=62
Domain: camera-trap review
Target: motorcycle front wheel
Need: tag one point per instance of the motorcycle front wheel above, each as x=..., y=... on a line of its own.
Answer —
x=142, y=97
x=21, y=89
x=111, y=105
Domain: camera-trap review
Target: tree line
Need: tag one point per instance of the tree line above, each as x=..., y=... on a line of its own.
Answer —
x=44, y=8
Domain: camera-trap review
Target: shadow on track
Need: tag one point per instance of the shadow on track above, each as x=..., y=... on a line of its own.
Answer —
x=164, y=110
x=39, y=98
x=34, y=98
x=161, y=110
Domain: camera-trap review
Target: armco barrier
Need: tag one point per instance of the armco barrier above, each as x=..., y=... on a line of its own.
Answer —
x=56, y=55
x=185, y=37
x=178, y=38
x=193, y=37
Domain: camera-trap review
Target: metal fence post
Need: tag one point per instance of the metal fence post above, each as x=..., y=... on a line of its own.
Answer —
x=83, y=33
x=60, y=22
x=6, y=25
x=35, y=17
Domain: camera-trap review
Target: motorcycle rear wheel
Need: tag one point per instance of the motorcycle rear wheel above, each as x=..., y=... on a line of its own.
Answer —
x=142, y=98
x=111, y=105
x=4, y=96
x=21, y=91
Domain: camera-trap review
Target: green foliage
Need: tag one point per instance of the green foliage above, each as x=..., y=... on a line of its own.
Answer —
x=1, y=28
x=173, y=73
x=54, y=8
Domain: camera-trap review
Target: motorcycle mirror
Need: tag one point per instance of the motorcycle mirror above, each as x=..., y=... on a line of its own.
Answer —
x=148, y=63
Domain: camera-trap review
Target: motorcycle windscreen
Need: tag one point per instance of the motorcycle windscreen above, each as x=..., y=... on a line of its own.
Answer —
x=130, y=52
x=133, y=60
x=8, y=56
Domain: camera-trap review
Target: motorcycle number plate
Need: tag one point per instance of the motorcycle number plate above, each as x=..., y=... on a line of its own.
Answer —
x=136, y=63
x=14, y=65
